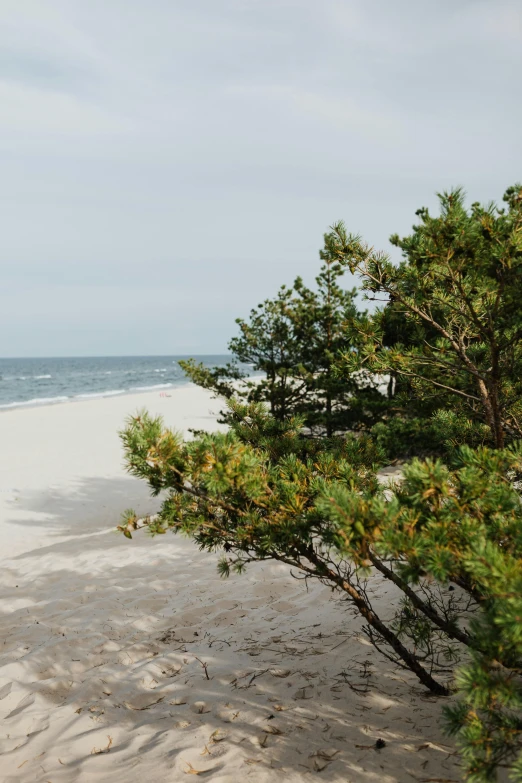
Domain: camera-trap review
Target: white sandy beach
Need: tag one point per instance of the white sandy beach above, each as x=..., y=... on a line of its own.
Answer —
x=105, y=642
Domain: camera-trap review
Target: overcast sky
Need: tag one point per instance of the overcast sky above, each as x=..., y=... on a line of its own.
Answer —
x=167, y=164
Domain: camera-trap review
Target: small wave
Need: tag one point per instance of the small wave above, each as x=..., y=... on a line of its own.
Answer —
x=35, y=401
x=151, y=388
x=93, y=395
x=40, y=377
x=162, y=369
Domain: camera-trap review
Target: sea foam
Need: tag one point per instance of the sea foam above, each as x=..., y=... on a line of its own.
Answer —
x=35, y=401
x=151, y=388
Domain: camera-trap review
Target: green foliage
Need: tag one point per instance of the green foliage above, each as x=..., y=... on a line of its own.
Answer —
x=403, y=437
x=217, y=379
x=452, y=327
x=294, y=339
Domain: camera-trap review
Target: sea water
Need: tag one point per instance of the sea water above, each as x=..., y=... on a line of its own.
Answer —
x=28, y=382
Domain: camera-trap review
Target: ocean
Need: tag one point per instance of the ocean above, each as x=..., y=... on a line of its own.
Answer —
x=28, y=382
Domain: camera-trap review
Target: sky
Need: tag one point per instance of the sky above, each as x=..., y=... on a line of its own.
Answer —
x=166, y=165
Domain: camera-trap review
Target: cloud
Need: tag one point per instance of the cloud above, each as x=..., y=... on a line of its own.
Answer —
x=35, y=111
x=183, y=152
x=403, y=30
x=492, y=22
x=342, y=112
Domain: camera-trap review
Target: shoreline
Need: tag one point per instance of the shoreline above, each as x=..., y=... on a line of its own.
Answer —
x=36, y=382
x=52, y=402
x=44, y=402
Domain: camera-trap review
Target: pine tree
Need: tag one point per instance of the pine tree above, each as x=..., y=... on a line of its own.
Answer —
x=450, y=540
x=327, y=316
x=294, y=340
x=268, y=342
x=449, y=537
x=458, y=295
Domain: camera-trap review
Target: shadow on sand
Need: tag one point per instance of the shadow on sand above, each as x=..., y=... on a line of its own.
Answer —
x=250, y=678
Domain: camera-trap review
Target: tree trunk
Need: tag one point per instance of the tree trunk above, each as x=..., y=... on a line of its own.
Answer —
x=375, y=622
x=489, y=399
x=391, y=385
x=451, y=630
x=329, y=427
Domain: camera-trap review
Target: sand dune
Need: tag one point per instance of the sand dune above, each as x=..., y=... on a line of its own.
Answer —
x=133, y=661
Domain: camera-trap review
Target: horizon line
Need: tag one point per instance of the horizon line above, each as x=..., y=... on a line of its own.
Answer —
x=117, y=356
